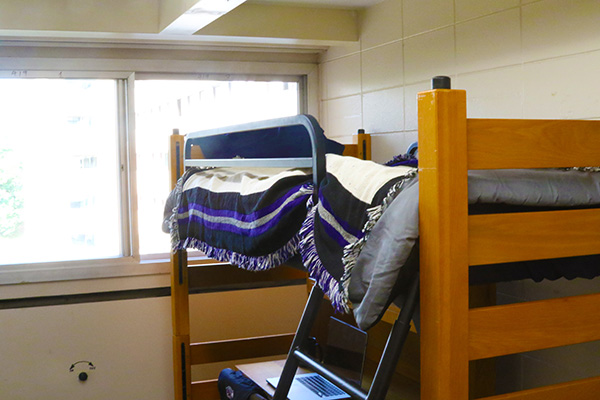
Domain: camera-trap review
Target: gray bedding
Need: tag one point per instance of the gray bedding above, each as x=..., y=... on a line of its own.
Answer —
x=383, y=261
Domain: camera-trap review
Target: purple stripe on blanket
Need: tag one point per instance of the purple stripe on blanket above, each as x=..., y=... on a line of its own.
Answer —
x=347, y=227
x=233, y=228
x=333, y=233
x=253, y=216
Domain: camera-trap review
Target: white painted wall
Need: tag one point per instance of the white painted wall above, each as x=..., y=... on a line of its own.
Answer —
x=128, y=341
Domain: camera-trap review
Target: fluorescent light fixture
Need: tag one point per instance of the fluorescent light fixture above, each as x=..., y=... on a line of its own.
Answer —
x=201, y=14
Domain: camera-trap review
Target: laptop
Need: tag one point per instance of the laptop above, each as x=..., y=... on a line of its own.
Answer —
x=343, y=354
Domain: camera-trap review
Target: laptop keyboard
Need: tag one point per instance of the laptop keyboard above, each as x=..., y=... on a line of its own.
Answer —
x=320, y=385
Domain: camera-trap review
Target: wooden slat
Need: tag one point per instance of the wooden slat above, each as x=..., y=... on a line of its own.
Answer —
x=494, y=143
x=515, y=328
x=584, y=389
x=222, y=277
x=205, y=390
x=238, y=349
x=498, y=238
x=444, y=258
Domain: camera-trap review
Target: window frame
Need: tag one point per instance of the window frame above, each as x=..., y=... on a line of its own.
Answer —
x=125, y=73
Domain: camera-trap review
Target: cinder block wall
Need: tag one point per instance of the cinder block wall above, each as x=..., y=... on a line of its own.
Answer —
x=516, y=59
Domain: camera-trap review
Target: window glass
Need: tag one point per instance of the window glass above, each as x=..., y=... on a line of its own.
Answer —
x=59, y=170
x=163, y=105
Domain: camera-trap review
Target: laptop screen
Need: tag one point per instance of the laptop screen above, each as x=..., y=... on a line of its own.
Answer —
x=345, y=350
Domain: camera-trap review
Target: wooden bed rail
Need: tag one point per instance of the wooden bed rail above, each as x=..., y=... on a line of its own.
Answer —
x=496, y=144
x=584, y=389
x=502, y=238
x=451, y=241
x=516, y=328
x=238, y=349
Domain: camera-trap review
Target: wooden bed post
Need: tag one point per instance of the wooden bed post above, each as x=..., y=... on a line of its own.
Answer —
x=443, y=214
x=360, y=147
x=179, y=291
x=363, y=145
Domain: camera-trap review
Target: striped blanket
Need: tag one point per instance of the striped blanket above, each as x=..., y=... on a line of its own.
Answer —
x=258, y=219
x=248, y=217
x=352, y=197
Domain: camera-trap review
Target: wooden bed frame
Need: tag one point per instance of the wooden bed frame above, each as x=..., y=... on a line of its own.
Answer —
x=451, y=240
x=222, y=276
x=452, y=334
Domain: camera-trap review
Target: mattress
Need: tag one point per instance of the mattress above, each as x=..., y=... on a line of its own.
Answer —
x=390, y=255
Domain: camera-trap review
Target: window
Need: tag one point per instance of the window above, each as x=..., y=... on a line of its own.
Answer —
x=64, y=175
x=59, y=170
x=163, y=105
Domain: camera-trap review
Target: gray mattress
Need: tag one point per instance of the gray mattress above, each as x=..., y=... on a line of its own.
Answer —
x=391, y=251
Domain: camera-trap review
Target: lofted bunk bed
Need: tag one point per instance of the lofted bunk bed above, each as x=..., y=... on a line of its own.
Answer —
x=480, y=210
x=281, y=139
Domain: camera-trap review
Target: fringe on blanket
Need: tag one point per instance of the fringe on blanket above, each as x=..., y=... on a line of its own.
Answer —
x=260, y=263
x=316, y=269
x=352, y=250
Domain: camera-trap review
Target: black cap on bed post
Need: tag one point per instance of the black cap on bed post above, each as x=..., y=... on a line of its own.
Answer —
x=440, y=82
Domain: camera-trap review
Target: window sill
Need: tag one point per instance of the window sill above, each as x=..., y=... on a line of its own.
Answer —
x=78, y=270
x=94, y=269
x=71, y=282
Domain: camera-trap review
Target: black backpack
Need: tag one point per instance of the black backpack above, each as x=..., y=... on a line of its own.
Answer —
x=234, y=385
